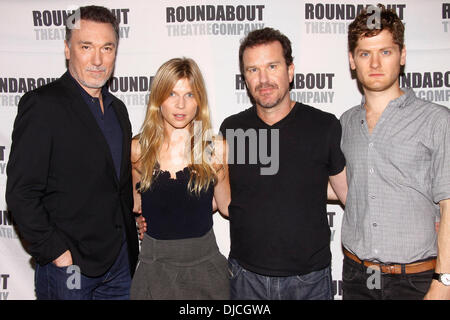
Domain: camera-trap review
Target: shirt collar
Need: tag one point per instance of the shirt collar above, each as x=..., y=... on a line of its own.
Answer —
x=106, y=96
x=400, y=102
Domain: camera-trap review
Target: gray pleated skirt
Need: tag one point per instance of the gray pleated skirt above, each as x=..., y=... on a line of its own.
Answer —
x=188, y=269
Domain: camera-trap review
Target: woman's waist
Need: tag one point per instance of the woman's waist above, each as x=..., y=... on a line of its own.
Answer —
x=181, y=252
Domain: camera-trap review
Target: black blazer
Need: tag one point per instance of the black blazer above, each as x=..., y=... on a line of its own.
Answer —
x=62, y=188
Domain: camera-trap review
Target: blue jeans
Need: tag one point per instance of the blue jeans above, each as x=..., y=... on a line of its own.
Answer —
x=247, y=285
x=67, y=283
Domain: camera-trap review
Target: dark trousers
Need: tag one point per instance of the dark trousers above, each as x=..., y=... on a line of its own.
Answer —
x=67, y=283
x=362, y=283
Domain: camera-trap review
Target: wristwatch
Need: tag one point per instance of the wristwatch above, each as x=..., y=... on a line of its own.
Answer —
x=443, y=278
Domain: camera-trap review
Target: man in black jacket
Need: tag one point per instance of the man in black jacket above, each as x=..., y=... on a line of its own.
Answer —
x=69, y=173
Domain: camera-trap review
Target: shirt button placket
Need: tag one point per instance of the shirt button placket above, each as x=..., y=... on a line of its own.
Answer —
x=371, y=169
x=370, y=189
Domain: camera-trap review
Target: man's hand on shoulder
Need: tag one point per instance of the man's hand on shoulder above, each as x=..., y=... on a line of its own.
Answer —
x=141, y=226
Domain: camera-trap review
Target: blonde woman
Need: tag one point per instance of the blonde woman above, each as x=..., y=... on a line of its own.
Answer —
x=180, y=177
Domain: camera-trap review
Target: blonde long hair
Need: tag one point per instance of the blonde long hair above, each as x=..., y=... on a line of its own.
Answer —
x=151, y=138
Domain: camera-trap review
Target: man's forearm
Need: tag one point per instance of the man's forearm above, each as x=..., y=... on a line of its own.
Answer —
x=339, y=186
x=443, y=260
x=331, y=195
x=28, y=171
x=438, y=290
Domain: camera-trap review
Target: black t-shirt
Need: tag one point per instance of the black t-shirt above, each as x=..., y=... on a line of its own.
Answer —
x=278, y=217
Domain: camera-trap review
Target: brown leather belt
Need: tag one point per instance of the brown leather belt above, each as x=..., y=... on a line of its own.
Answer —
x=415, y=267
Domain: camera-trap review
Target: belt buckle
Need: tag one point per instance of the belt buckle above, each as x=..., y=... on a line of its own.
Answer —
x=391, y=268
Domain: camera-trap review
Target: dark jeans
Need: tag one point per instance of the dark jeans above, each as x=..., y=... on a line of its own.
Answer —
x=66, y=283
x=247, y=285
x=362, y=283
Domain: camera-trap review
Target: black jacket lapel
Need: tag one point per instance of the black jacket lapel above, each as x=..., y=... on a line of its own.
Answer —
x=126, y=138
x=80, y=108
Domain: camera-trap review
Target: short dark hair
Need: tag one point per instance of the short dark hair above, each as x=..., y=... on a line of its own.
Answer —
x=264, y=36
x=96, y=14
x=389, y=20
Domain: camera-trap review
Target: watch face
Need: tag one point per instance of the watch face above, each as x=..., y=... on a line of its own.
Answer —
x=445, y=278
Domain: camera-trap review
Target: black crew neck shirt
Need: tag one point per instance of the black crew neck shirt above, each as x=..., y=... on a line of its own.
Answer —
x=278, y=222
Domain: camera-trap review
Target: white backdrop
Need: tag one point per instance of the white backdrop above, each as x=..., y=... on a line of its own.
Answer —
x=31, y=54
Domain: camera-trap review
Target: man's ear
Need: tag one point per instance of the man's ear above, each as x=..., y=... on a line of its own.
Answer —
x=66, y=50
x=403, y=56
x=351, y=61
x=291, y=69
